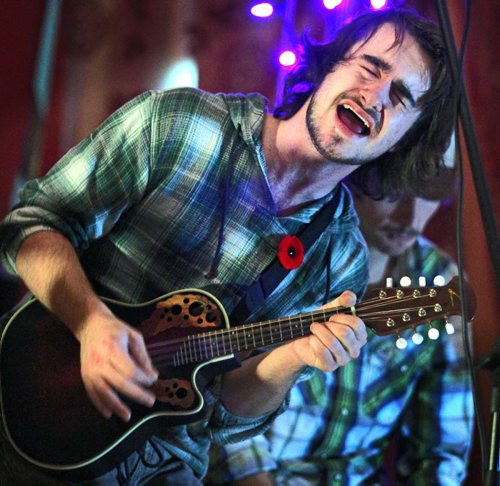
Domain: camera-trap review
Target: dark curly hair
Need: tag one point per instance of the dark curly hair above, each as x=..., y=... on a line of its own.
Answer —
x=415, y=159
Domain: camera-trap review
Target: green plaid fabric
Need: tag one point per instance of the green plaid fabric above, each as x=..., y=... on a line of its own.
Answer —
x=338, y=425
x=169, y=188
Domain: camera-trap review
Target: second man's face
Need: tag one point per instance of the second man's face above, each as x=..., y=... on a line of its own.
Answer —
x=392, y=227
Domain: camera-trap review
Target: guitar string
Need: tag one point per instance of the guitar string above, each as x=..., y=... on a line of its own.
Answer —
x=206, y=343
x=209, y=345
x=361, y=311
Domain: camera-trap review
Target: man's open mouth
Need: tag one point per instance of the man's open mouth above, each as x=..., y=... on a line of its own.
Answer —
x=352, y=120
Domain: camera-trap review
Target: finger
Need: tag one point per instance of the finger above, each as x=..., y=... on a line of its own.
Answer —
x=107, y=401
x=346, y=337
x=139, y=353
x=331, y=344
x=354, y=323
x=131, y=389
x=126, y=367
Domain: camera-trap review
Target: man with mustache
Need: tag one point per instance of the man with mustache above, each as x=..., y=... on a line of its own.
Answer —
x=410, y=406
x=184, y=189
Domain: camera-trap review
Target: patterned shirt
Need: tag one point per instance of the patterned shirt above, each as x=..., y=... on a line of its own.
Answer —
x=338, y=425
x=171, y=192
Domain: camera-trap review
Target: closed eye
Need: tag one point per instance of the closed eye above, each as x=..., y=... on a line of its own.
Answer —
x=398, y=98
x=370, y=72
x=402, y=93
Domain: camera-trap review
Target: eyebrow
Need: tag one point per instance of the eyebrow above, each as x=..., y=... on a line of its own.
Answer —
x=384, y=66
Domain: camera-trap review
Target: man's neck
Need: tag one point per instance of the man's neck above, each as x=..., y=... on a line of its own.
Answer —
x=297, y=174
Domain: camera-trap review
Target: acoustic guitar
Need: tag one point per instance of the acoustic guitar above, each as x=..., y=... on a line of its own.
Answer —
x=51, y=423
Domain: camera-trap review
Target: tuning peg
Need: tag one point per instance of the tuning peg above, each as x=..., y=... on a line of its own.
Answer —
x=401, y=343
x=422, y=282
x=438, y=281
x=388, y=282
x=405, y=281
x=450, y=329
x=433, y=333
x=417, y=338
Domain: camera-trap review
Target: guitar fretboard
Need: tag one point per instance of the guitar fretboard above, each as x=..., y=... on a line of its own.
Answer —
x=384, y=311
x=208, y=345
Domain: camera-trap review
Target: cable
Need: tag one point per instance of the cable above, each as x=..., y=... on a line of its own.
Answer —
x=443, y=15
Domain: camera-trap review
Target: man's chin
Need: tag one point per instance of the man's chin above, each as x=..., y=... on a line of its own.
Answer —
x=396, y=249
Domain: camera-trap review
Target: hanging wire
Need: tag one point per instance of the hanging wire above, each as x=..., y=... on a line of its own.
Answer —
x=457, y=70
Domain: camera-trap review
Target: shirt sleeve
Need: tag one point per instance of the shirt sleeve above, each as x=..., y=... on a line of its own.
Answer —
x=240, y=460
x=85, y=193
x=225, y=428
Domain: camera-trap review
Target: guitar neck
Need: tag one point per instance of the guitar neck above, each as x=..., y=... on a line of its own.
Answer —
x=384, y=311
x=212, y=344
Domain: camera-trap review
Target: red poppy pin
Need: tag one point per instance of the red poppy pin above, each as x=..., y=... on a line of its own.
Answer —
x=290, y=252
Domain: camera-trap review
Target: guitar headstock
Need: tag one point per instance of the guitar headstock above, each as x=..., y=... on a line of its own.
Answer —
x=391, y=310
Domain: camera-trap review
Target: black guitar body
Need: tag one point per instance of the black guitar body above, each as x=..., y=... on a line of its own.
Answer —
x=46, y=413
x=51, y=423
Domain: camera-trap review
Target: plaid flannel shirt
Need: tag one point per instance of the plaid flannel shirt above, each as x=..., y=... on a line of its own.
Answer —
x=172, y=186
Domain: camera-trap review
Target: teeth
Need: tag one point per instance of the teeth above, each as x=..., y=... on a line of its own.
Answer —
x=347, y=107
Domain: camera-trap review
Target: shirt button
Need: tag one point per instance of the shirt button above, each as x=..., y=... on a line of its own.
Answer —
x=404, y=368
x=344, y=411
x=338, y=476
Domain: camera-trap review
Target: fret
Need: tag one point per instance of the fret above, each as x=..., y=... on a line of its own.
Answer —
x=262, y=340
x=281, y=331
x=235, y=333
x=250, y=335
x=193, y=349
x=190, y=348
x=245, y=339
x=252, y=331
x=276, y=330
x=270, y=331
x=205, y=347
x=223, y=341
x=178, y=358
x=216, y=344
x=185, y=348
x=302, y=326
x=290, y=326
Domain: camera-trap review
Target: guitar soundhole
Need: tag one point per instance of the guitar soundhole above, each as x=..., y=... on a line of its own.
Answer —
x=182, y=311
x=177, y=393
x=176, y=310
x=196, y=309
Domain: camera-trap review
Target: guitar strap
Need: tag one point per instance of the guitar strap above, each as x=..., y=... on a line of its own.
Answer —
x=270, y=278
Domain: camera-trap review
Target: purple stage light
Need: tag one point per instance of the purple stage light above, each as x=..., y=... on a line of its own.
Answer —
x=288, y=58
x=331, y=4
x=378, y=3
x=263, y=9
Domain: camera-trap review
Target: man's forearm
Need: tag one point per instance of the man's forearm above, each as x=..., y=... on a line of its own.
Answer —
x=261, y=384
x=50, y=268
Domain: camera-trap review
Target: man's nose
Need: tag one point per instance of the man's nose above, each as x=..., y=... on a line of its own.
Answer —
x=405, y=213
x=376, y=96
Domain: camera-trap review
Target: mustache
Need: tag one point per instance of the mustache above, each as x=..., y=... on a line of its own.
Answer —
x=400, y=230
